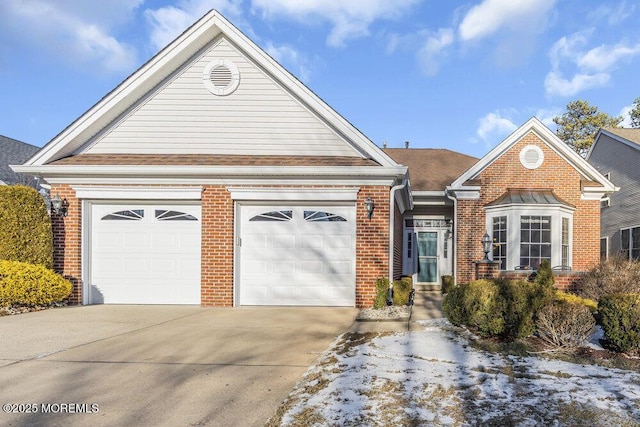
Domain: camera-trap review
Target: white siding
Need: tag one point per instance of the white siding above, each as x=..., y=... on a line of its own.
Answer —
x=260, y=117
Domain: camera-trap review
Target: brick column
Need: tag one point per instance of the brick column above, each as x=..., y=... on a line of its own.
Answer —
x=487, y=269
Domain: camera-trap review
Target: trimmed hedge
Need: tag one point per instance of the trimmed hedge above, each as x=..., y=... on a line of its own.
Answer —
x=25, y=226
x=497, y=307
x=29, y=284
x=402, y=291
x=382, y=292
x=620, y=318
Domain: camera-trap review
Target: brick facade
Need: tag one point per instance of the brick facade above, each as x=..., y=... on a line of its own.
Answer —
x=67, y=238
x=217, y=245
x=507, y=172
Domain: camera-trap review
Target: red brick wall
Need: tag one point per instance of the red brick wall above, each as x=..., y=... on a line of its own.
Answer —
x=217, y=247
x=67, y=237
x=507, y=172
x=372, y=243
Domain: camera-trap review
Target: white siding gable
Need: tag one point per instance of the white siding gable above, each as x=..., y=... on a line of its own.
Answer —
x=182, y=117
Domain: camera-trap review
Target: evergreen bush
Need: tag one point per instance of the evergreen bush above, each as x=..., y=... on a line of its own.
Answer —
x=620, y=318
x=402, y=291
x=25, y=226
x=30, y=284
x=382, y=292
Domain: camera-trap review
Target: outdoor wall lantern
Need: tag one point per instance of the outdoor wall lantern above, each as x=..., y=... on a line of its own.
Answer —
x=369, y=205
x=486, y=245
x=59, y=206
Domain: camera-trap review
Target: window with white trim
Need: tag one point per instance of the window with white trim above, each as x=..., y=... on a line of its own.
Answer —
x=500, y=240
x=524, y=236
x=630, y=242
x=273, y=216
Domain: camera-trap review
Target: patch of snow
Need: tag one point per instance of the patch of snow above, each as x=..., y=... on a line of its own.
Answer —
x=435, y=377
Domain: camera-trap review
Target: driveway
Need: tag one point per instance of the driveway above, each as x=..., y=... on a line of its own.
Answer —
x=158, y=365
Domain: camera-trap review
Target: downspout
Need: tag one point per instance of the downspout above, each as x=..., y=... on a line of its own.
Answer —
x=454, y=241
x=392, y=212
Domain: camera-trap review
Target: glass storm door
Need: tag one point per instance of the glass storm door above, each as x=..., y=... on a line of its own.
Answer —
x=428, y=257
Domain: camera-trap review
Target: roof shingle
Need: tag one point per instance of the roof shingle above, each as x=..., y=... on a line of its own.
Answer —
x=431, y=169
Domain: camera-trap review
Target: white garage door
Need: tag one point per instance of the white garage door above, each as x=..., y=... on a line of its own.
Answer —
x=297, y=255
x=145, y=254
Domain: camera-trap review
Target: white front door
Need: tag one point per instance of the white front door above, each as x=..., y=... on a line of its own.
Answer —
x=297, y=255
x=144, y=254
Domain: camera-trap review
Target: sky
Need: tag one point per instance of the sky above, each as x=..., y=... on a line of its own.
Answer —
x=449, y=74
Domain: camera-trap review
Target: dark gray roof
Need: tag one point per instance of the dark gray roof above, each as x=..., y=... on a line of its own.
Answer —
x=13, y=152
x=519, y=196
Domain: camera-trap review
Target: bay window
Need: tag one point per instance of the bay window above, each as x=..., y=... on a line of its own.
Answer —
x=529, y=229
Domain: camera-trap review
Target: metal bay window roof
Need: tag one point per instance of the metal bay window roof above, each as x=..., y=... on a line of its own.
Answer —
x=520, y=196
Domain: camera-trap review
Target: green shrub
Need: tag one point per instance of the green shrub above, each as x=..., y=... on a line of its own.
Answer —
x=565, y=326
x=25, y=226
x=453, y=306
x=502, y=307
x=448, y=282
x=544, y=275
x=522, y=300
x=484, y=307
x=620, y=317
x=29, y=284
x=402, y=291
x=575, y=299
x=616, y=275
x=382, y=292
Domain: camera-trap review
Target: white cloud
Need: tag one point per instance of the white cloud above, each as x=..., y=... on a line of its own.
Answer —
x=613, y=15
x=494, y=127
x=490, y=16
x=603, y=58
x=349, y=19
x=557, y=85
x=72, y=30
x=546, y=116
x=588, y=68
x=169, y=22
x=625, y=112
x=292, y=59
x=432, y=52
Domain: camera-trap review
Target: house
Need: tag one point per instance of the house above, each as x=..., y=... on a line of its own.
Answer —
x=616, y=154
x=213, y=176
x=14, y=152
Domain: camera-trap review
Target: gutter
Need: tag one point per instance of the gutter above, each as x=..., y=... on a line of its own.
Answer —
x=454, y=241
x=392, y=198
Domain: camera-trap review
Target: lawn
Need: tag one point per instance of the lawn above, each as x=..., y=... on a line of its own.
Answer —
x=439, y=376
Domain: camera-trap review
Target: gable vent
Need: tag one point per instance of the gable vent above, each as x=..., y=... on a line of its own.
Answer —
x=221, y=77
x=531, y=157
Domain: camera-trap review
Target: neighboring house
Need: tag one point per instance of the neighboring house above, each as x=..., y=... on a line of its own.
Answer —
x=616, y=154
x=14, y=152
x=213, y=176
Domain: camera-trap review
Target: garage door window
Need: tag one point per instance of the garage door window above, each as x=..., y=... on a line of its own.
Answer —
x=165, y=215
x=316, y=216
x=273, y=216
x=128, y=215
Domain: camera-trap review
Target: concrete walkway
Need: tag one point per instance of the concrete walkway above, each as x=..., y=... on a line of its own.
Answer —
x=426, y=305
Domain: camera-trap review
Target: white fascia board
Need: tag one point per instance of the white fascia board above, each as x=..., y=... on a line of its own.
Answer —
x=292, y=193
x=465, y=193
x=138, y=193
x=211, y=171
